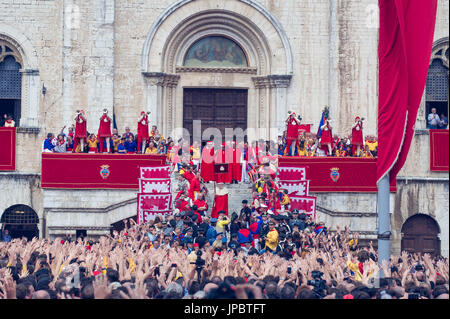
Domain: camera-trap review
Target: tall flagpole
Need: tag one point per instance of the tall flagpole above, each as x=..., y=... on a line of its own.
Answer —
x=384, y=225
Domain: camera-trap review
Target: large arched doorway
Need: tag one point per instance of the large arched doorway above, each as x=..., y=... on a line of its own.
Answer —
x=420, y=235
x=21, y=221
x=10, y=82
x=219, y=66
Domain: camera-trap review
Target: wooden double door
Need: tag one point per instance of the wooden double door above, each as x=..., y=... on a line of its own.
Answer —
x=218, y=108
x=420, y=235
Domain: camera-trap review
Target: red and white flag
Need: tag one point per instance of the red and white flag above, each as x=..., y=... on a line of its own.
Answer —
x=299, y=188
x=154, y=202
x=150, y=186
x=155, y=172
x=145, y=216
x=291, y=173
x=304, y=203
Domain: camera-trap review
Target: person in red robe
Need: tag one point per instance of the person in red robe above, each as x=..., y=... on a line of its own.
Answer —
x=235, y=166
x=202, y=206
x=327, y=137
x=220, y=201
x=104, y=131
x=80, y=131
x=293, y=125
x=357, y=136
x=143, y=135
x=207, y=163
x=194, y=186
x=221, y=158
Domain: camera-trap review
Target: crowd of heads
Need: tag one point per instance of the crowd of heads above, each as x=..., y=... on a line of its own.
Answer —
x=148, y=261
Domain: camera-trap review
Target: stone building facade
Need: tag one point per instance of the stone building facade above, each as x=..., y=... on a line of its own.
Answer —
x=128, y=56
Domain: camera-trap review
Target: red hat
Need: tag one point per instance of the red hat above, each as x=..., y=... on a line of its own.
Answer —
x=348, y=296
x=357, y=118
x=196, y=245
x=142, y=112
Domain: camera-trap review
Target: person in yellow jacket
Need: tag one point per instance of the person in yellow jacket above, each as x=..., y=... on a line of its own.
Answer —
x=358, y=268
x=272, y=238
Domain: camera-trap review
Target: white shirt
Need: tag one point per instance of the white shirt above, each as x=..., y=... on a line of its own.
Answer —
x=433, y=119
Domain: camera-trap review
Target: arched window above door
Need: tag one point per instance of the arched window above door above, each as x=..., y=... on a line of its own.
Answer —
x=215, y=51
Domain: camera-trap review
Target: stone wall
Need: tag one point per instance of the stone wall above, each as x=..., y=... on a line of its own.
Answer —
x=421, y=196
x=21, y=189
x=91, y=210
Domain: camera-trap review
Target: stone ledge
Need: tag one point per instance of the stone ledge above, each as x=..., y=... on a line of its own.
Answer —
x=19, y=174
x=105, y=210
x=54, y=228
x=181, y=69
x=406, y=179
x=28, y=130
x=345, y=214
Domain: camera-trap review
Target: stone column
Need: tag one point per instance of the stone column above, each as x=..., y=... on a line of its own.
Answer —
x=279, y=84
x=161, y=100
x=272, y=92
x=154, y=81
x=31, y=86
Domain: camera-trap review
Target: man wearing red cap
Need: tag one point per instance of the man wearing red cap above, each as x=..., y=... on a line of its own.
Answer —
x=357, y=136
x=207, y=164
x=143, y=135
x=104, y=131
x=222, y=158
x=80, y=131
x=327, y=136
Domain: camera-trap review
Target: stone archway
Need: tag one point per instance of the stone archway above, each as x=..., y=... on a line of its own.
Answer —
x=420, y=234
x=20, y=220
x=267, y=76
x=30, y=74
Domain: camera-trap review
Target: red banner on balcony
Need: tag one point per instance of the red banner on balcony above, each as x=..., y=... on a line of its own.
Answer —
x=439, y=142
x=95, y=171
x=332, y=174
x=7, y=148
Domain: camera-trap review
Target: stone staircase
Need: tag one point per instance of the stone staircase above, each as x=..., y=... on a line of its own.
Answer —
x=237, y=193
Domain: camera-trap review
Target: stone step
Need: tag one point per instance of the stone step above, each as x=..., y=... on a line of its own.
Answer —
x=237, y=193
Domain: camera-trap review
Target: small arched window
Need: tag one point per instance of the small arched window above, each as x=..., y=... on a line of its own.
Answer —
x=437, y=85
x=10, y=82
x=215, y=52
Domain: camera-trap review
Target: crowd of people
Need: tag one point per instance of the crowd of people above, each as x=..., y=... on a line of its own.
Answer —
x=158, y=260
x=203, y=251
